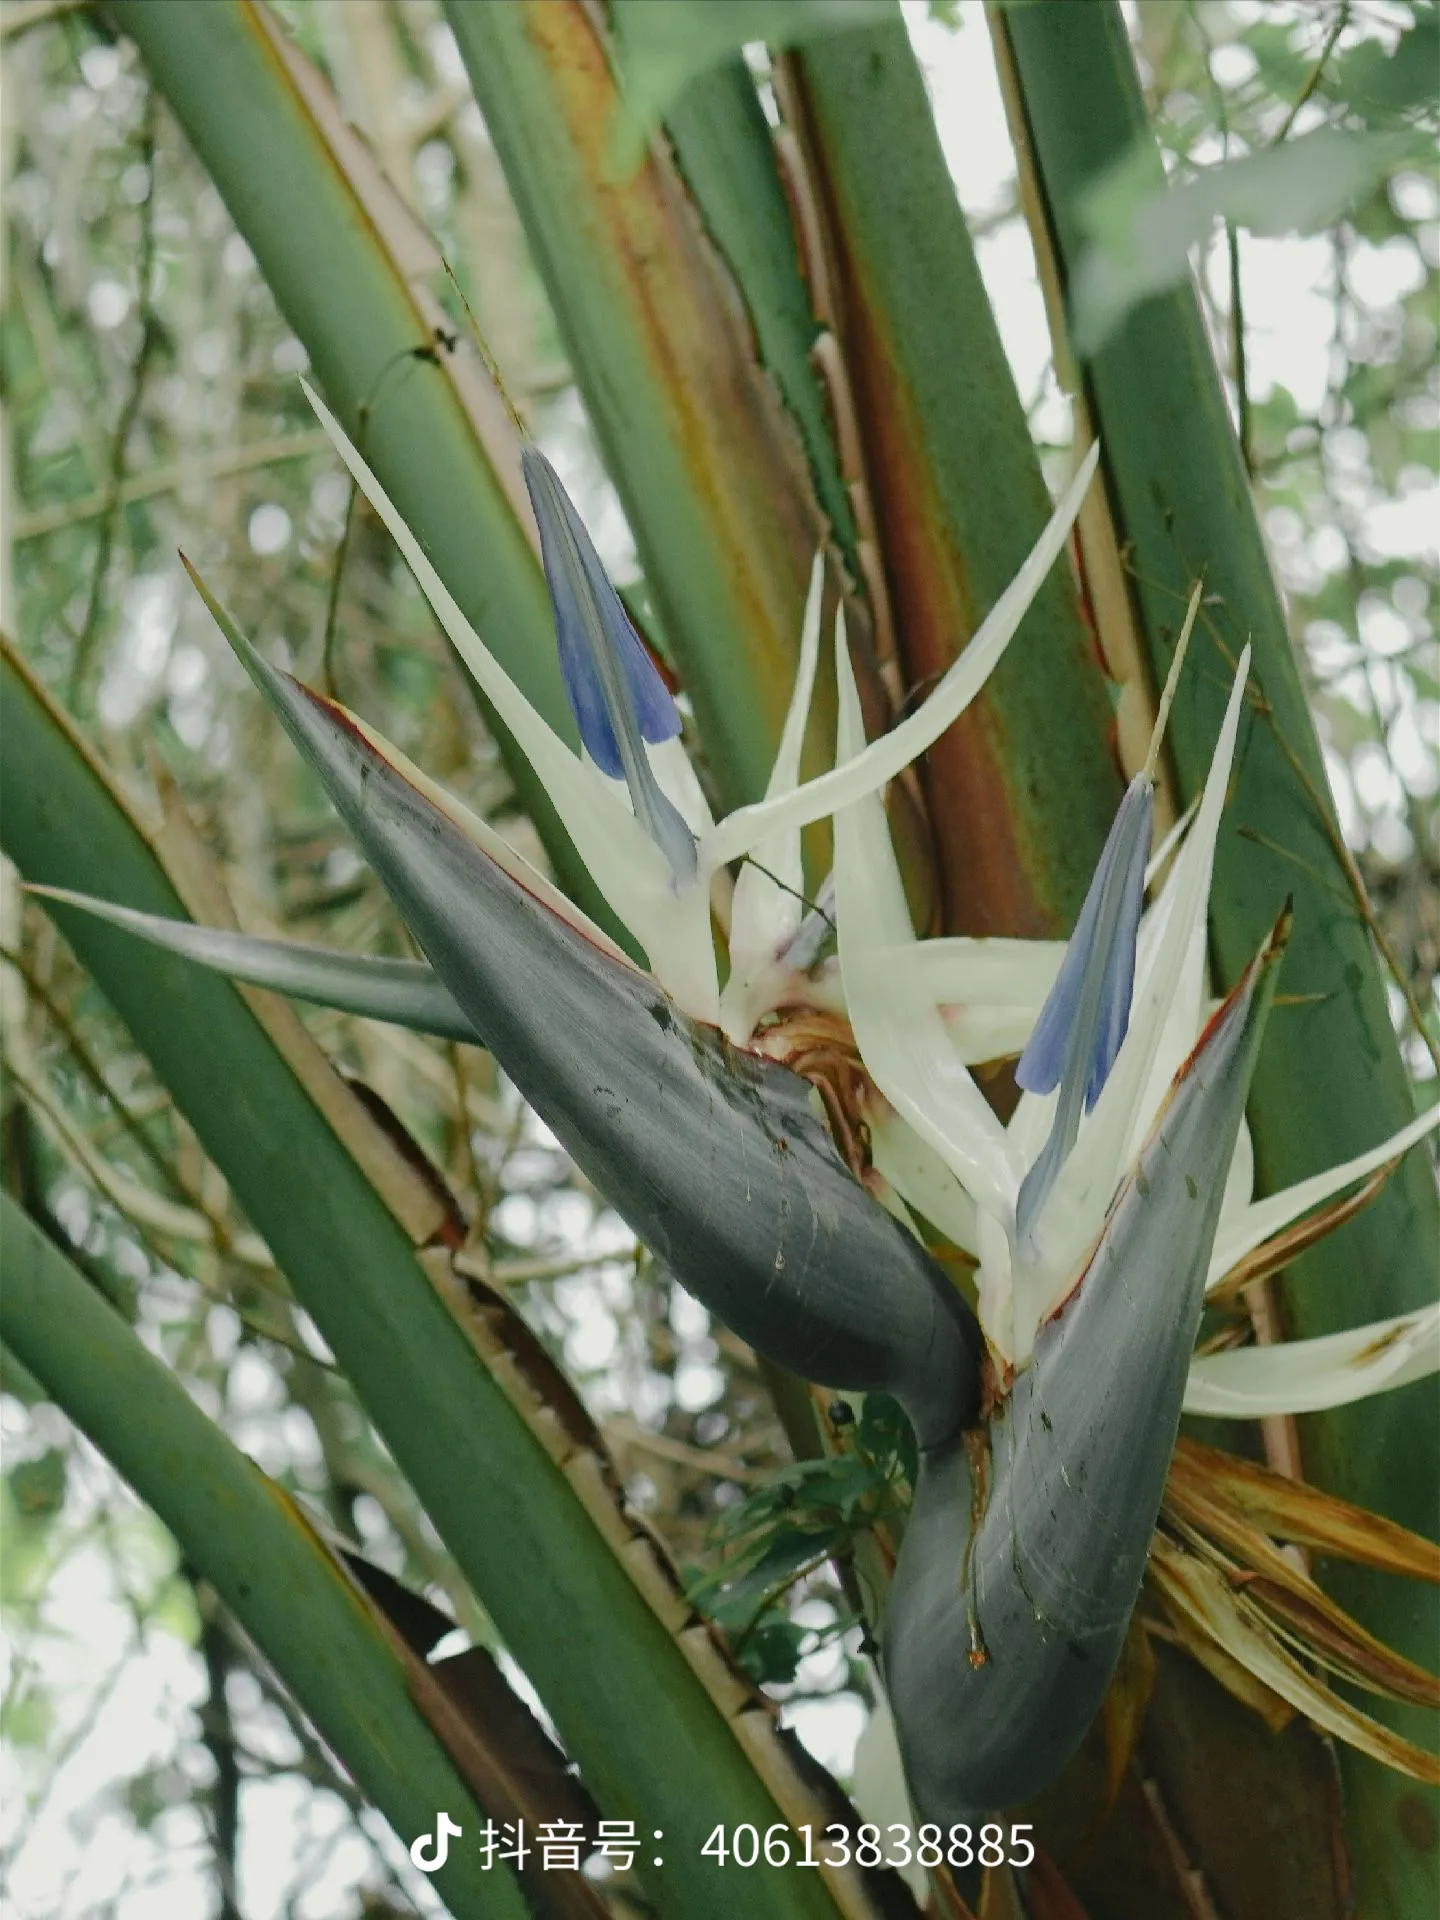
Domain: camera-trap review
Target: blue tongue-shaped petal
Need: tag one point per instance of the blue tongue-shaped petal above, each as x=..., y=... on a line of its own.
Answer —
x=1083, y=1021
x=616, y=694
x=1097, y=976
x=1082, y=1024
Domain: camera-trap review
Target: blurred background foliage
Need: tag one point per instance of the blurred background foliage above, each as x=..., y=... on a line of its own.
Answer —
x=151, y=1763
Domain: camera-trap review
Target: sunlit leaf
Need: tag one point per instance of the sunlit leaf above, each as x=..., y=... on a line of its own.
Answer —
x=1142, y=230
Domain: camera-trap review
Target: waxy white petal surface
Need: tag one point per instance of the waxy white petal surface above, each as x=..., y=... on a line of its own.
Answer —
x=903, y=1040
x=1245, y=1231
x=1308, y=1376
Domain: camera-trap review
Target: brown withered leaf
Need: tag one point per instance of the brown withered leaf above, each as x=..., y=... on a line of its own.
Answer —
x=503, y=1754
x=1281, y=1248
x=1293, y=1510
x=419, y=1622
x=1048, y=1895
x=1298, y=1610
x=1200, y=1590
x=1240, y=1684
x=506, y=1758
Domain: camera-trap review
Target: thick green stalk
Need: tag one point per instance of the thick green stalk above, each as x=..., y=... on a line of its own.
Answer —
x=724, y=149
x=711, y=472
x=653, y=1744
x=1022, y=790
x=309, y=207
x=1330, y=1081
x=250, y=1542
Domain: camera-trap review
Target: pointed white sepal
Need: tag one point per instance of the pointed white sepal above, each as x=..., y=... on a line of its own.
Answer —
x=1242, y=1232
x=922, y=1179
x=989, y=991
x=1165, y=1018
x=902, y=1038
x=1308, y=1376
x=874, y=766
x=766, y=911
x=673, y=925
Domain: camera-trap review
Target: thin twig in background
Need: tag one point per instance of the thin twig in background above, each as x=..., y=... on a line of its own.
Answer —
x=150, y=334
x=1316, y=73
x=1238, y=364
x=218, y=1733
x=223, y=463
x=337, y=572
x=90, y=1071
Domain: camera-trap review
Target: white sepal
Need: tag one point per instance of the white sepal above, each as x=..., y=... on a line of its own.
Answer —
x=1168, y=998
x=765, y=916
x=1242, y=1232
x=1307, y=1376
x=922, y=1179
x=901, y=1037
x=630, y=870
x=876, y=765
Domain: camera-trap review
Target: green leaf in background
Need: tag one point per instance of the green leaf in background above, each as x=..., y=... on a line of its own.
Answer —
x=725, y=152
x=38, y=1486
x=1021, y=792
x=1385, y=85
x=351, y=269
x=647, y=1722
x=1142, y=229
x=247, y=1538
x=1330, y=1081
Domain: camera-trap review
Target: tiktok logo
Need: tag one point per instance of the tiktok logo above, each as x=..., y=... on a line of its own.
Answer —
x=430, y=1851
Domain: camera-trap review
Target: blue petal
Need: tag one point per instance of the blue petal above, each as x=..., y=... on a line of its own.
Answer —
x=617, y=696
x=595, y=632
x=1104, y=939
x=1082, y=1024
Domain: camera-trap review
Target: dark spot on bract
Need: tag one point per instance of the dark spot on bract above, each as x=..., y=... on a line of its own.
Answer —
x=841, y=1413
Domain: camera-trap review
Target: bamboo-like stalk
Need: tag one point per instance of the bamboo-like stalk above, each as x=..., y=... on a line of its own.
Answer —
x=244, y=1535
x=1330, y=1081
x=1022, y=790
x=725, y=152
x=713, y=475
x=352, y=270
x=665, y=1731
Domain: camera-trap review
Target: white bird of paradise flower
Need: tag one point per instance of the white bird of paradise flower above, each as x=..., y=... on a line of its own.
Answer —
x=1101, y=1023
x=942, y=1150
